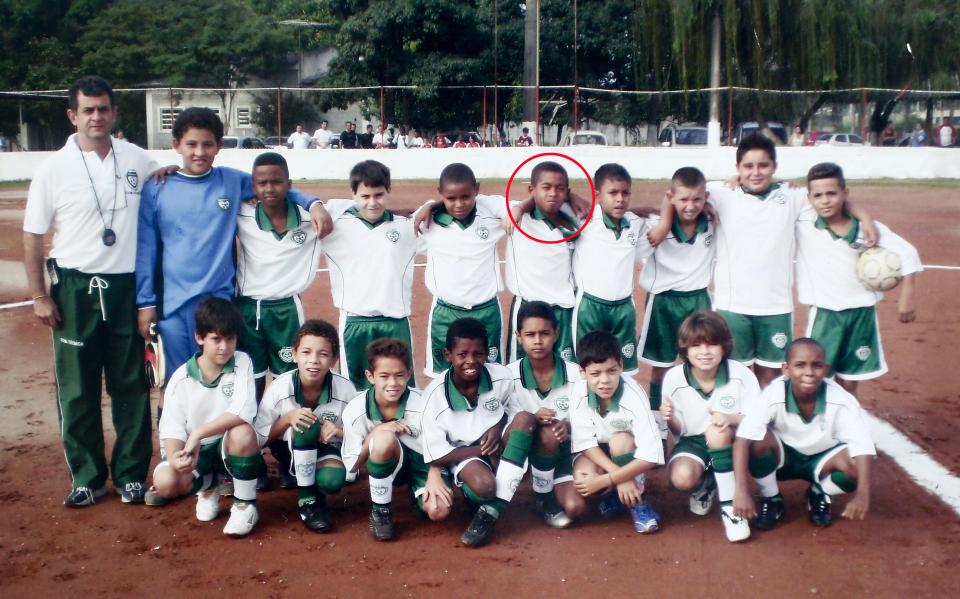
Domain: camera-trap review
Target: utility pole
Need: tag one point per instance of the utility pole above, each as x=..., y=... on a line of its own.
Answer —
x=531, y=66
x=713, y=127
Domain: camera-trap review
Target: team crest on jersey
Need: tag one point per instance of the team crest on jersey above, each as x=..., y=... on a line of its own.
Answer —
x=632, y=238
x=227, y=390
x=286, y=354
x=567, y=354
x=328, y=417
x=779, y=340
x=299, y=237
x=563, y=404
x=414, y=430
x=620, y=424
x=133, y=179
x=492, y=404
x=708, y=239
x=224, y=203
x=628, y=349
x=727, y=402
x=393, y=235
x=492, y=354
x=483, y=232
x=863, y=353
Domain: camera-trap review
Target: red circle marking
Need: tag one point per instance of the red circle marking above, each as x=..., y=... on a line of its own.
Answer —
x=593, y=198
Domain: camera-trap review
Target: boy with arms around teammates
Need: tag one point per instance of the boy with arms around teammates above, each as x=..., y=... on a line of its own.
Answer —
x=702, y=404
x=843, y=315
x=803, y=426
x=206, y=427
x=614, y=437
x=470, y=418
x=383, y=430
x=542, y=385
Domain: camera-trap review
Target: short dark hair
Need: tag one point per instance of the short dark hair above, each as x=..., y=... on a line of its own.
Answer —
x=371, y=173
x=217, y=315
x=548, y=167
x=610, y=172
x=271, y=159
x=801, y=342
x=466, y=328
x=596, y=347
x=318, y=328
x=198, y=117
x=90, y=85
x=457, y=173
x=688, y=176
x=826, y=170
x=388, y=347
x=536, y=309
x=707, y=327
x=756, y=141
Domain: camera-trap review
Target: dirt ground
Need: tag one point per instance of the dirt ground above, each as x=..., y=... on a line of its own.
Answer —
x=907, y=546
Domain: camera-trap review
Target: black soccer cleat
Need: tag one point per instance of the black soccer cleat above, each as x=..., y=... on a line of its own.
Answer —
x=551, y=512
x=381, y=522
x=315, y=515
x=480, y=529
x=770, y=510
x=818, y=504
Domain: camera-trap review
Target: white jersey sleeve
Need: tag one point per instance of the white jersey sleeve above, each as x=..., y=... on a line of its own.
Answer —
x=173, y=422
x=356, y=427
x=852, y=428
x=909, y=257
x=583, y=430
x=759, y=411
x=435, y=441
x=244, y=400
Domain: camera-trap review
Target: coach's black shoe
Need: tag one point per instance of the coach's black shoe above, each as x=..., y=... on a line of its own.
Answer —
x=315, y=515
x=480, y=529
x=83, y=496
x=818, y=504
x=381, y=522
x=132, y=493
x=770, y=510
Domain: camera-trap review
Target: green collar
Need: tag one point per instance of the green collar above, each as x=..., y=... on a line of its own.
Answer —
x=445, y=219
x=566, y=226
x=819, y=407
x=594, y=401
x=529, y=381
x=616, y=227
x=457, y=400
x=324, y=395
x=681, y=235
x=851, y=235
x=265, y=224
x=764, y=194
x=193, y=370
x=373, y=410
x=387, y=217
x=722, y=378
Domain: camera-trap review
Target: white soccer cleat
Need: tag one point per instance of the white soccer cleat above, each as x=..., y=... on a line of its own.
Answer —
x=208, y=504
x=737, y=529
x=243, y=517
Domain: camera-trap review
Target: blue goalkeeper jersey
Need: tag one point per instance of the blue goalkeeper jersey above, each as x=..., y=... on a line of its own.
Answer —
x=186, y=228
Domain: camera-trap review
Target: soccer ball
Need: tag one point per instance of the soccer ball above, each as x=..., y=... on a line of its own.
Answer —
x=879, y=269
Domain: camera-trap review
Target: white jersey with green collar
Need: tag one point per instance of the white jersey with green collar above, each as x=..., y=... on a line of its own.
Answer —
x=558, y=398
x=681, y=262
x=285, y=395
x=450, y=422
x=827, y=263
x=541, y=271
x=605, y=255
x=735, y=385
x=371, y=265
x=755, y=247
x=837, y=418
x=629, y=413
x=463, y=265
x=362, y=414
x=189, y=402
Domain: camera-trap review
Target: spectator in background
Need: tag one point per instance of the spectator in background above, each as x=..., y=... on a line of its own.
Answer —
x=299, y=139
x=119, y=134
x=918, y=138
x=391, y=139
x=459, y=143
x=439, y=141
x=414, y=140
x=322, y=136
x=946, y=134
x=888, y=137
x=380, y=139
x=472, y=143
x=525, y=140
x=366, y=139
x=348, y=139
x=798, y=138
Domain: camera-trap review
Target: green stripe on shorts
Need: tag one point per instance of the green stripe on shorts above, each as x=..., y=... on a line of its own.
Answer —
x=759, y=338
x=269, y=343
x=617, y=317
x=665, y=312
x=443, y=316
x=359, y=332
x=850, y=340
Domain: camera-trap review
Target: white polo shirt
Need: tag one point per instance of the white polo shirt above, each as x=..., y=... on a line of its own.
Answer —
x=285, y=395
x=681, y=263
x=629, y=412
x=61, y=196
x=827, y=264
x=755, y=247
x=605, y=254
x=558, y=398
x=837, y=418
x=299, y=141
x=273, y=266
x=692, y=407
x=539, y=271
x=362, y=414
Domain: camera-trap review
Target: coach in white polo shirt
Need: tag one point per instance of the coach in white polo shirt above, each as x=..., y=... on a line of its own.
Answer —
x=322, y=136
x=89, y=193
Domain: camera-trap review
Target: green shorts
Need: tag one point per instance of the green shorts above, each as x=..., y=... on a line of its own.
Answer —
x=357, y=332
x=618, y=317
x=796, y=465
x=759, y=339
x=442, y=316
x=563, y=471
x=267, y=332
x=564, y=343
x=850, y=340
x=662, y=316
x=694, y=447
x=413, y=472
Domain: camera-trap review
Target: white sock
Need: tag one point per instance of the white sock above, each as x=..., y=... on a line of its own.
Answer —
x=542, y=480
x=508, y=479
x=726, y=485
x=641, y=480
x=305, y=466
x=381, y=489
x=245, y=490
x=829, y=487
x=768, y=485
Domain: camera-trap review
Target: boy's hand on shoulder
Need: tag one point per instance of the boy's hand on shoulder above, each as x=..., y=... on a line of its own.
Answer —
x=423, y=216
x=711, y=213
x=857, y=508
x=159, y=176
x=580, y=205
x=656, y=235
x=330, y=431
x=732, y=182
x=301, y=419
x=321, y=219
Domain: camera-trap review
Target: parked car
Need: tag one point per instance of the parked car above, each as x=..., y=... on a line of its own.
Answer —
x=744, y=129
x=584, y=138
x=840, y=139
x=813, y=136
x=672, y=136
x=276, y=142
x=243, y=143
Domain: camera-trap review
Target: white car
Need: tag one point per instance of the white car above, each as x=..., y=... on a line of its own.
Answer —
x=840, y=139
x=584, y=138
x=672, y=136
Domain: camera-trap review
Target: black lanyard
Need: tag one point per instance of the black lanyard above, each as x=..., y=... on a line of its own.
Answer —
x=109, y=237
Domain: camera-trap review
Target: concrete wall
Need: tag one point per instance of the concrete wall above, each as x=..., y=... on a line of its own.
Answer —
x=643, y=163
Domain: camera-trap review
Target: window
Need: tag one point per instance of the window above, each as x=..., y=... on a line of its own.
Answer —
x=243, y=116
x=167, y=116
